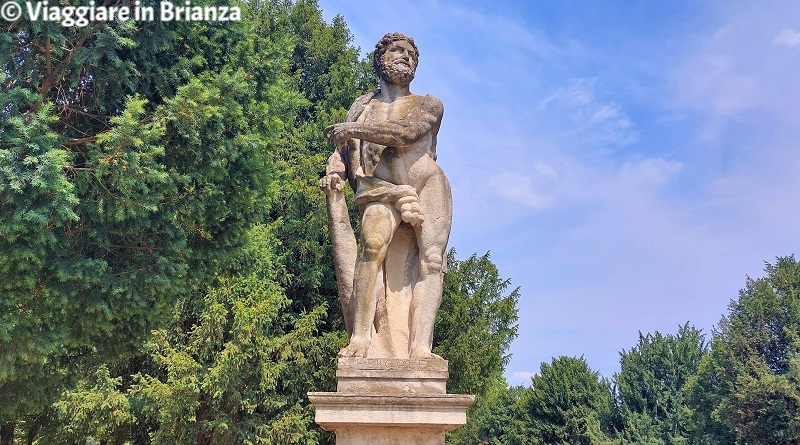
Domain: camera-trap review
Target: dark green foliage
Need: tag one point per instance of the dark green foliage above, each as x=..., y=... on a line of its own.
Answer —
x=234, y=361
x=165, y=273
x=135, y=161
x=120, y=212
x=568, y=404
x=327, y=71
x=494, y=419
x=475, y=326
x=765, y=320
x=233, y=366
x=37, y=205
x=650, y=384
x=671, y=389
x=476, y=323
x=747, y=390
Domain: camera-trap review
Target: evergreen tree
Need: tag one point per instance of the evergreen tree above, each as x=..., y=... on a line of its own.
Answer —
x=326, y=70
x=650, y=385
x=568, y=404
x=135, y=158
x=233, y=366
x=130, y=162
x=747, y=389
x=494, y=419
x=476, y=323
x=475, y=326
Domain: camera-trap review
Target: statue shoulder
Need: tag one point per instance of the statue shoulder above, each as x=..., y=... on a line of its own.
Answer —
x=433, y=105
x=359, y=104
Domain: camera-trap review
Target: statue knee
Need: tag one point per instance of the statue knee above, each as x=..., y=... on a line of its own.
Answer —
x=432, y=261
x=373, y=248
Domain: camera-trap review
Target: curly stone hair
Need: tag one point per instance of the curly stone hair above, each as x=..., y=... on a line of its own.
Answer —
x=383, y=45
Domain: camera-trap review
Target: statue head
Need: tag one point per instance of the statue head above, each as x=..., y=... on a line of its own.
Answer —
x=395, y=58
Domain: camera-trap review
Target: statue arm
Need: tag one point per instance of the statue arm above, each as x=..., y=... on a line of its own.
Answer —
x=420, y=121
x=337, y=163
x=340, y=163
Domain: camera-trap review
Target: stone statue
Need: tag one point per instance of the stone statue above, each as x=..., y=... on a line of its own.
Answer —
x=386, y=149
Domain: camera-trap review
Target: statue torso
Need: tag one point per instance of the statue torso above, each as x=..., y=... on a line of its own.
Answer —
x=409, y=164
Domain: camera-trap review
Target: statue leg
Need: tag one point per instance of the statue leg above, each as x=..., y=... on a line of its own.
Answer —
x=437, y=207
x=377, y=227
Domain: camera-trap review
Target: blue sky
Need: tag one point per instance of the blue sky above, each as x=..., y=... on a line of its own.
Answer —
x=627, y=164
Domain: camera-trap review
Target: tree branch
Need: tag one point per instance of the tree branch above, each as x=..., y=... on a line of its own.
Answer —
x=80, y=141
x=52, y=74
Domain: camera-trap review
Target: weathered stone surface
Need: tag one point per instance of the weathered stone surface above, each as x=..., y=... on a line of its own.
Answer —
x=386, y=150
x=389, y=436
x=391, y=376
x=381, y=419
x=391, y=389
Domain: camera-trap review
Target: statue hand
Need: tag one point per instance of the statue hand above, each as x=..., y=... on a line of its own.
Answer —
x=339, y=134
x=410, y=210
x=331, y=183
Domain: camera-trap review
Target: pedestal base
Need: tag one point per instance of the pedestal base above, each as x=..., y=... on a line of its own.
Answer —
x=391, y=376
x=377, y=419
x=390, y=402
x=388, y=436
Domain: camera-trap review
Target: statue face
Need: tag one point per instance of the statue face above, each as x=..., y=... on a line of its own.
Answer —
x=399, y=63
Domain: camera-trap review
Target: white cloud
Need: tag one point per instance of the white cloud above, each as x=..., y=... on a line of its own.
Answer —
x=649, y=172
x=523, y=377
x=595, y=120
x=577, y=94
x=607, y=113
x=513, y=37
x=520, y=189
x=740, y=73
x=545, y=171
x=788, y=37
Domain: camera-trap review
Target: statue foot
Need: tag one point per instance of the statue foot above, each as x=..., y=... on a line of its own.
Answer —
x=353, y=350
x=424, y=354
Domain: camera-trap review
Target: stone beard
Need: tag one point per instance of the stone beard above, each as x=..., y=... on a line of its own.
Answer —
x=397, y=72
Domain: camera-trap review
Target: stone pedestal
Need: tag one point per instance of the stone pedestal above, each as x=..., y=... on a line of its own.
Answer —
x=390, y=402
